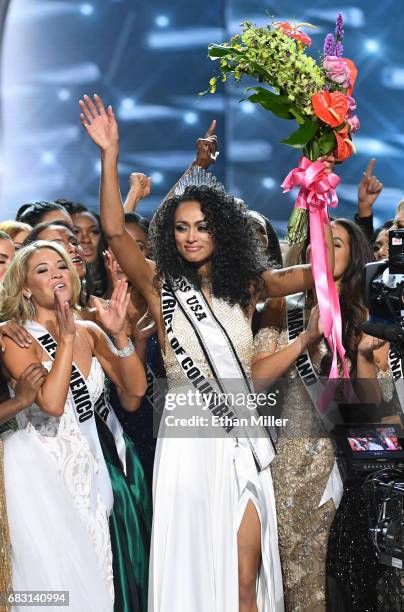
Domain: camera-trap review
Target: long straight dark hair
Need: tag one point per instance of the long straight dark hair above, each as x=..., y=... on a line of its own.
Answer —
x=353, y=311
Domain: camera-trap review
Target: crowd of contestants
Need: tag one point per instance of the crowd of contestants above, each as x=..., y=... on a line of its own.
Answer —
x=67, y=239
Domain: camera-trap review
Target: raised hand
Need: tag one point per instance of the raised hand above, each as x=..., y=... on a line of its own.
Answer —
x=112, y=267
x=206, y=148
x=15, y=332
x=64, y=315
x=27, y=386
x=314, y=329
x=368, y=344
x=100, y=124
x=368, y=191
x=140, y=185
x=329, y=161
x=112, y=314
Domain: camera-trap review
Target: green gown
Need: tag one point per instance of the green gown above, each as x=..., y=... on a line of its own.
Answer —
x=130, y=524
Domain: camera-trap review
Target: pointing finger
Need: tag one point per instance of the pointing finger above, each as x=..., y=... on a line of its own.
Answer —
x=369, y=169
x=211, y=129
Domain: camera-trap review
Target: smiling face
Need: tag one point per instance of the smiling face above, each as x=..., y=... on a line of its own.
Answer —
x=88, y=234
x=67, y=239
x=47, y=274
x=6, y=255
x=192, y=236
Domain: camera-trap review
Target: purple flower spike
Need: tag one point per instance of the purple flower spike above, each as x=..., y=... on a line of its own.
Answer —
x=329, y=45
x=339, y=49
x=339, y=28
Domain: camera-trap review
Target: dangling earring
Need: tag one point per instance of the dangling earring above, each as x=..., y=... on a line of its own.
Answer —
x=28, y=296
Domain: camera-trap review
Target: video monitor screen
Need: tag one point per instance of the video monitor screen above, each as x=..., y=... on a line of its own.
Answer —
x=377, y=439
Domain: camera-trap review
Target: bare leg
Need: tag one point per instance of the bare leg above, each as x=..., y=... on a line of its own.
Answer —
x=249, y=557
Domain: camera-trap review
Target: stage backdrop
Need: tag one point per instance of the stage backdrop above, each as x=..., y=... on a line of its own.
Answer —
x=148, y=59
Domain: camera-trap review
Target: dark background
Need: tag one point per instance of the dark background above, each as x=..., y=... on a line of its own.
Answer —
x=149, y=60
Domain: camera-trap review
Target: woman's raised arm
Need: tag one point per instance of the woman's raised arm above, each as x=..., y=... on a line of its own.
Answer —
x=102, y=128
x=291, y=280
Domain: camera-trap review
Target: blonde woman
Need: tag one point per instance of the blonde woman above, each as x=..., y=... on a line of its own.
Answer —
x=16, y=230
x=57, y=486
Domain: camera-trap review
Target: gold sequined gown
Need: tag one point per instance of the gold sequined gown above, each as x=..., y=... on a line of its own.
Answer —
x=200, y=490
x=300, y=473
x=5, y=560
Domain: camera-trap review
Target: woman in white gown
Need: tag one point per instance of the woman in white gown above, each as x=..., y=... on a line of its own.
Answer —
x=214, y=540
x=58, y=491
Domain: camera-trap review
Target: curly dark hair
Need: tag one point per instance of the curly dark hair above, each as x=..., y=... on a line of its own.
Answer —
x=238, y=259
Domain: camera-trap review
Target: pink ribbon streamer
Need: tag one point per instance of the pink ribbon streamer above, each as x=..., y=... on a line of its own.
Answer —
x=317, y=191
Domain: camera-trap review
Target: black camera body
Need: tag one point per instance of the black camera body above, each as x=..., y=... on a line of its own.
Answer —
x=383, y=282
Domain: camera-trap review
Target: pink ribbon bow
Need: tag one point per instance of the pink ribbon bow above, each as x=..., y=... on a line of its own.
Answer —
x=317, y=191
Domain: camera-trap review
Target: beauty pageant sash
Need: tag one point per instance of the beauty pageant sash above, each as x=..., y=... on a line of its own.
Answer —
x=227, y=371
x=314, y=388
x=396, y=364
x=84, y=413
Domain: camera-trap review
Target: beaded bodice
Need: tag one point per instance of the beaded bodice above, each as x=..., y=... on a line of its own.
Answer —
x=237, y=326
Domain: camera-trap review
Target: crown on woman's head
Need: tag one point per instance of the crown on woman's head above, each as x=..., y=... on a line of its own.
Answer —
x=198, y=177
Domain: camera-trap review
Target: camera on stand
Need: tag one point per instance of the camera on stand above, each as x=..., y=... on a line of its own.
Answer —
x=371, y=452
x=383, y=294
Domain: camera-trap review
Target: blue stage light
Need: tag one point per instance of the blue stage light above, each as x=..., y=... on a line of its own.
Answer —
x=393, y=77
x=127, y=103
x=64, y=94
x=268, y=182
x=372, y=45
x=86, y=9
x=247, y=107
x=157, y=178
x=162, y=21
x=48, y=158
x=190, y=118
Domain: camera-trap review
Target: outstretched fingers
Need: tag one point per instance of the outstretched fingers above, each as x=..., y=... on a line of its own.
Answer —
x=91, y=106
x=99, y=104
x=85, y=115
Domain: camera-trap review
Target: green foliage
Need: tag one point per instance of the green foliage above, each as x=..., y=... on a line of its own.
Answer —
x=302, y=136
x=277, y=60
x=327, y=142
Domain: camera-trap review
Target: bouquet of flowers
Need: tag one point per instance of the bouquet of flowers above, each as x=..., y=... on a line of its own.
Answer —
x=318, y=96
x=293, y=86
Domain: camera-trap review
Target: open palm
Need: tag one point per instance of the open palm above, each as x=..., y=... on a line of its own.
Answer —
x=100, y=124
x=113, y=315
